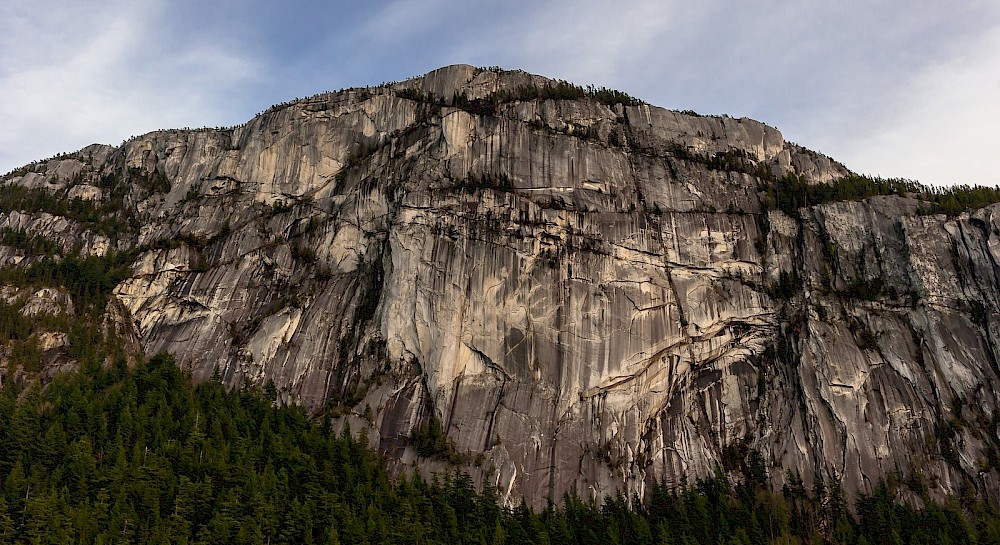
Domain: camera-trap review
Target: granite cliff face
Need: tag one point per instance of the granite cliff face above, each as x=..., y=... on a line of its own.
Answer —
x=583, y=292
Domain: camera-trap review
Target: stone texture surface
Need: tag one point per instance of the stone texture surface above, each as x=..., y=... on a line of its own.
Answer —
x=581, y=301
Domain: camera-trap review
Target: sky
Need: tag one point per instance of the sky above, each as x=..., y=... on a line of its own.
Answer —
x=889, y=88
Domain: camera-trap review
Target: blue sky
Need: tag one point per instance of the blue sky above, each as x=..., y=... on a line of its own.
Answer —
x=893, y=88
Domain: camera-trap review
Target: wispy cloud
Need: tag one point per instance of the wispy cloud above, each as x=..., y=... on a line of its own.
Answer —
x=102, y=72
x=893, y=87
x=597, y=44
x=943, y=127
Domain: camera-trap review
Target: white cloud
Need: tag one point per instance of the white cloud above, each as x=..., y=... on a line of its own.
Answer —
x=597, y=44
x=102, y=73
x=402, y=20
x=898, y=87
x=944, y=126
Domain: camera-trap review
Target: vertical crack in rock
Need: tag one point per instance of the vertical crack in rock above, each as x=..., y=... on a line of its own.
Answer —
x=592, y=296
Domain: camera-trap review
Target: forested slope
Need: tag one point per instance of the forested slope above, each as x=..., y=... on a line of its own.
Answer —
x=119, y=455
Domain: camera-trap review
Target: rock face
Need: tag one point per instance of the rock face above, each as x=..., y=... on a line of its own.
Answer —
x=580, y=291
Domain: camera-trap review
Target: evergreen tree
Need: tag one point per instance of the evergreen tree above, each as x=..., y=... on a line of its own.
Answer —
x=6, y=525
x=113, y=455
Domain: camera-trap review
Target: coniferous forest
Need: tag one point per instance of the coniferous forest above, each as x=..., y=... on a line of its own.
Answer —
x=109, y=454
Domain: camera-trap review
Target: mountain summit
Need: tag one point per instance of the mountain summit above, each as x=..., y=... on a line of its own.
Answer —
x=552, y=287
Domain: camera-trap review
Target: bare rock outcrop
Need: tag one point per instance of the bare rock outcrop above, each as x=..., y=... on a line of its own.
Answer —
x=582, y=290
